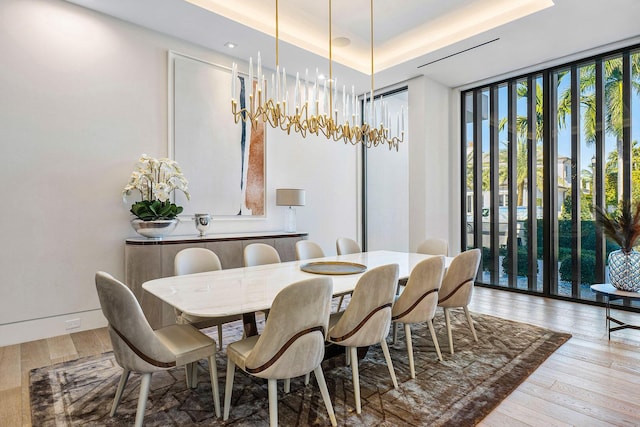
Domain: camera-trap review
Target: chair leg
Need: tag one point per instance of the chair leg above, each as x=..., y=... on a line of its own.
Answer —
x=447, y=320
x=273, y=402
x=356, y=377
x=188, y=374
x=220, y=337
x=142, y=398
x=470, y=321
x=213, y=373
x=120, y=389
x=306, y=378
x=340, y=302
x=407, y=338
x=387, y=356
x=347, y=356
x=435, y=339
x=395, y=332
x=194, y=375
x=287, y=385
x=228, y=387
x=325, y=394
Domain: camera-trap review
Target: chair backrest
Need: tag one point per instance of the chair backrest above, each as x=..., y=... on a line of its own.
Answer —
x=434, y=246
x=419, y=299
x=457, y=284
x=367, y=318
x=292, y=343
x=260, y=254
x=345, y=245
x=135, y=345
x=306, y=249
x=195, y=260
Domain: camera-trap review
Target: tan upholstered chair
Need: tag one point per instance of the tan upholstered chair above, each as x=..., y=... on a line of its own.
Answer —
x=457, y=288
x=345, y=246
x=199, y=260
x=306, y=249
x=291, y=345
x=434, y=246
x=418, y=302
x=366, y=320
x=260, y=254
x=138, y=348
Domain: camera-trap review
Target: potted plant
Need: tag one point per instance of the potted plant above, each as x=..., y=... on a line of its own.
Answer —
x=155, y=180
x=623, y=228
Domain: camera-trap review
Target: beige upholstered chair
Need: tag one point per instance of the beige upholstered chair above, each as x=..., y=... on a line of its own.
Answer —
x=306, y=249
x=345, y=246
x=434, y=246
x=366, y=320
x=199, y=260
x=139, y=348
x=457, y=288
x=418, y=302
x=260, y=254
x=291, y=345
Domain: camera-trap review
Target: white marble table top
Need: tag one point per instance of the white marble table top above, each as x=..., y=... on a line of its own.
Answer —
x=611, y=291
x=250, y=289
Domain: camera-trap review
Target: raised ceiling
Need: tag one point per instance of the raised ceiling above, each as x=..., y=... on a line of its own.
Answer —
x=454, y=42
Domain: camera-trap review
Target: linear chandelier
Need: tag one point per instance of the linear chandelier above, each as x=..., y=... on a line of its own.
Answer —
x=309, y=113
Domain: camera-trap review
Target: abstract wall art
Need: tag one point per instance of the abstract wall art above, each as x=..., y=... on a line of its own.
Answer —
x=224, y=161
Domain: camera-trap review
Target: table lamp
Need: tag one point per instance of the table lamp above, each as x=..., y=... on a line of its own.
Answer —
x=290, y=197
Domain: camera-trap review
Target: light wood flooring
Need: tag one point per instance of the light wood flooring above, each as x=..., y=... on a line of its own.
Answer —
x=589, y=381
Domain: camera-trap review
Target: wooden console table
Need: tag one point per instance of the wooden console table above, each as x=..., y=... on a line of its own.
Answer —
x=147, y=259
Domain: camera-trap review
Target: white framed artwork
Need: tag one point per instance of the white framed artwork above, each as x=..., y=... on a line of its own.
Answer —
x=224, y=161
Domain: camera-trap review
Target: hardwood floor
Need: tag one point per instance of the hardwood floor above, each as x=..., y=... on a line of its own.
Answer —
x=589, y=381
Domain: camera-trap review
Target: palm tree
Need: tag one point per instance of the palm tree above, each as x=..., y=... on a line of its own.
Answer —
x=522, y=130
x=613, y=73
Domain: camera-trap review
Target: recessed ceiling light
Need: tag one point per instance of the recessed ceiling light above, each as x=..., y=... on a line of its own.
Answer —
x=230, y=45
x=341, y=42
x=321, y=77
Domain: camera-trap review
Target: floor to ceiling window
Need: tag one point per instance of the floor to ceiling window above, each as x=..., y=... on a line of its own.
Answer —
x=385, y=217
x=539, y=152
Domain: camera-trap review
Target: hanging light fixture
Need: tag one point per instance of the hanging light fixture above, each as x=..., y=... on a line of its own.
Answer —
x=311, y=114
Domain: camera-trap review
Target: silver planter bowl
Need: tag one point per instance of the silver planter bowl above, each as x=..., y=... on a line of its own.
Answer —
x=624, y=270
x=156, y=229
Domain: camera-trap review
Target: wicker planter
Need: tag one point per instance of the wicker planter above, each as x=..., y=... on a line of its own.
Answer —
x=624, y=270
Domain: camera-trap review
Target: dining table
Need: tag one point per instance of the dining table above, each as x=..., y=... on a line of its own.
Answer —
x=247, y=290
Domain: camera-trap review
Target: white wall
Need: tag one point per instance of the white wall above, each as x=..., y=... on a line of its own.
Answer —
x=430, y=163
x=83, y=95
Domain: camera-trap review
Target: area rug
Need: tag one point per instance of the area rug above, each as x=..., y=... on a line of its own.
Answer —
x=459, y=391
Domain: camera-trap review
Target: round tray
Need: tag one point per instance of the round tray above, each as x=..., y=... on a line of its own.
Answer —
x=333, y=267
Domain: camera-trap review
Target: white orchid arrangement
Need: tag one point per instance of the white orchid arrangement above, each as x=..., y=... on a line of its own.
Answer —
x=156, y=179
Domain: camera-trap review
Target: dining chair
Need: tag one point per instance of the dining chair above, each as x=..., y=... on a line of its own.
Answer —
x=457, y=288
x=366, y=320
x=199, y=260
x=260, y=254
x=138, y=348
x=434, y=246
x=345, y=245
x=291, y=345
x=306, y=249
x=418, y=302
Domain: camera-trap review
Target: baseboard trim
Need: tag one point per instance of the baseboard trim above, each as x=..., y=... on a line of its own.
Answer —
x=31, y=330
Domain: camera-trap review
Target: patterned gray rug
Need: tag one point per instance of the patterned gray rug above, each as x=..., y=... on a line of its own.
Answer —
x=459, y=391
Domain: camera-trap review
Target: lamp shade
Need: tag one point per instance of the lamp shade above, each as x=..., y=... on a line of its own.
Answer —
x=290, y=197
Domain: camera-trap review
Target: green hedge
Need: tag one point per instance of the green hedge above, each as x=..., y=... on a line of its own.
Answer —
x=587, y=267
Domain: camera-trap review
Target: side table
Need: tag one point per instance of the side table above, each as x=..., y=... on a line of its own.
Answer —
x=610, y=293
